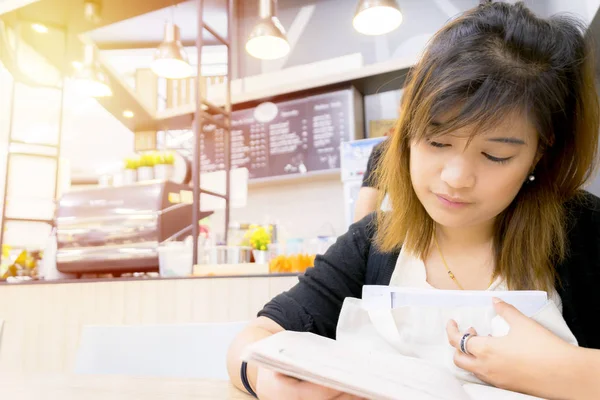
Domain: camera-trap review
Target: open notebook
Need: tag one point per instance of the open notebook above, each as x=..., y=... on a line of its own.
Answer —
x=528, y=302
x=372, y=375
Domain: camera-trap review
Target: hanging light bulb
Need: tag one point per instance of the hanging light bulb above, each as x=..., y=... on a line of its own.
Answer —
x=267, y=41
x=89, y=80
x=91, y=10
x=39, y=28
x=377, y=17
x=170, y=60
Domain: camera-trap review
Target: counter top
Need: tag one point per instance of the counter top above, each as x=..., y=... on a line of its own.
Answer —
x=142, y=279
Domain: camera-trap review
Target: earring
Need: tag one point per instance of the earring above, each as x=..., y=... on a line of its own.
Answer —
x=531, y=178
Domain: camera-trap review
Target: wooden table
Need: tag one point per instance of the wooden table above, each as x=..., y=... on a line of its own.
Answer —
x=78, y=387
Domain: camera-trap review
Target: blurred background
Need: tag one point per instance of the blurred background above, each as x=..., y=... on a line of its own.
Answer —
x=120, y=119
x=99, y=98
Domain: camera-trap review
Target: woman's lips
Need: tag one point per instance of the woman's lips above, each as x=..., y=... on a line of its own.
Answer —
x=452, y=202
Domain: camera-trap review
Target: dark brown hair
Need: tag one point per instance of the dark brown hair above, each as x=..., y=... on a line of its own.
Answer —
x=494, y=60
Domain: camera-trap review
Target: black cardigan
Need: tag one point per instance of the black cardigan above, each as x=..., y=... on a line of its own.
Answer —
x=314, y=303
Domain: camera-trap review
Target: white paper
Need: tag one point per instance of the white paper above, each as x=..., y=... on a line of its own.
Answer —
x=528, y=302
x=373, y=375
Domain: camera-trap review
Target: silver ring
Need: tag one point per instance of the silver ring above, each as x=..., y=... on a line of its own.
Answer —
x=463, y=343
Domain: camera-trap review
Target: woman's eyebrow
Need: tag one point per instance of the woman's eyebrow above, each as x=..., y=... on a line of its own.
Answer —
x=509, y=140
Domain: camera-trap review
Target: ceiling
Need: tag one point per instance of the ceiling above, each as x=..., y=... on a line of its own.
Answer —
x=147, y=30
x=128, y=24
x=70, y=13
x=10, y=5
x=135, y=32
x=123, y=24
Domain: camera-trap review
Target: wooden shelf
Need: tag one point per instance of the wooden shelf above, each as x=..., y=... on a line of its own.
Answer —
x=296, y=179
x=370, y=79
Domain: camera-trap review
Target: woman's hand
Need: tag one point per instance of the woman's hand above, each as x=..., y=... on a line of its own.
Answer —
x=530, y=359
x=275, y=386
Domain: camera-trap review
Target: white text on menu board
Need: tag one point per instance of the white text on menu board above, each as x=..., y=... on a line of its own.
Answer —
x=282, y=139
x=240, y=151
x=258, y=145
x=218, y=141
x=324, y=125
x=248, y=150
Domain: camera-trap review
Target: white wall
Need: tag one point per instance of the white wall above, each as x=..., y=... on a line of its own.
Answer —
x=584, y=9
x=93, y=140
x=300, y=210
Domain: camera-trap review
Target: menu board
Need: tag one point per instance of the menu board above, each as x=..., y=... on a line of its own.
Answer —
x=290, y=137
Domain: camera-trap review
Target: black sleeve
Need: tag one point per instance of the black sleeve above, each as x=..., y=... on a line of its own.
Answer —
x=314, y=303
x=374, y=158
x=579, y=273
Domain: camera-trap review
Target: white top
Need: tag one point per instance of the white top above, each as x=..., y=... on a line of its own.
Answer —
x=410, y=272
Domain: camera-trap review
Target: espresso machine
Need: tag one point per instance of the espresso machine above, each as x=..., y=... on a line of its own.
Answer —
x=118, y=229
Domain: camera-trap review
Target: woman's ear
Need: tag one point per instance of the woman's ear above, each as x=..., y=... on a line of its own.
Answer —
x=538, y=156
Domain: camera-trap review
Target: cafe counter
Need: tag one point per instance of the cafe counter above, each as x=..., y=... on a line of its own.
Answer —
x=41, y=321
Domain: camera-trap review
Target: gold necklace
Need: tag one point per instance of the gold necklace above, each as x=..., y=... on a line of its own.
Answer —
x=450, y=273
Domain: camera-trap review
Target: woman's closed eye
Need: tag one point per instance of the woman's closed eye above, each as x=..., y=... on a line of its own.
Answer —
x=500, y=160
x=438, y=144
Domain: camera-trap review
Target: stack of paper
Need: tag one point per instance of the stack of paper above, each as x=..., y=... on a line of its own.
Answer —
x=373, y=375
x=528, y=302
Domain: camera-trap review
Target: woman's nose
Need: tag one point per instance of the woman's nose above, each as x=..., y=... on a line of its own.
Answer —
x=458, y=174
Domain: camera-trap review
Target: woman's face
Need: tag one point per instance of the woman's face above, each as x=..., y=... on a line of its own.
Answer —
x=463, y=184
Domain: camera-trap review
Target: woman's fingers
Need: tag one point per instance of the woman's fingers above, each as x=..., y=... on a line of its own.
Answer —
x=465, y=361
x=472, y=331
x=475, y=345
x=453, y=333
x=478, y=346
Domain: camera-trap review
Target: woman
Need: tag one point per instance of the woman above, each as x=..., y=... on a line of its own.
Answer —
x=367, y=200
x=498, y=133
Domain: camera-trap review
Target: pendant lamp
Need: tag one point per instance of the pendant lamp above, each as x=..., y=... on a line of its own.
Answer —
x=377, y=17
x=170, y=59
x=268, y=41
x=89, y=80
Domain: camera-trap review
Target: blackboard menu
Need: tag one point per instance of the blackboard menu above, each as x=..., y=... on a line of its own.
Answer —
x=296, y=137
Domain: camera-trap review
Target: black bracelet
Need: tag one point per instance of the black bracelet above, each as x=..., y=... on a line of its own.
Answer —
x=244, y=376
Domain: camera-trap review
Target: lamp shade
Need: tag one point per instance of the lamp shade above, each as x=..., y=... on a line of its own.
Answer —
x=170, y=59
x=92, y=83
x=267, y=41
x=89, y=80
x=377, y=17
